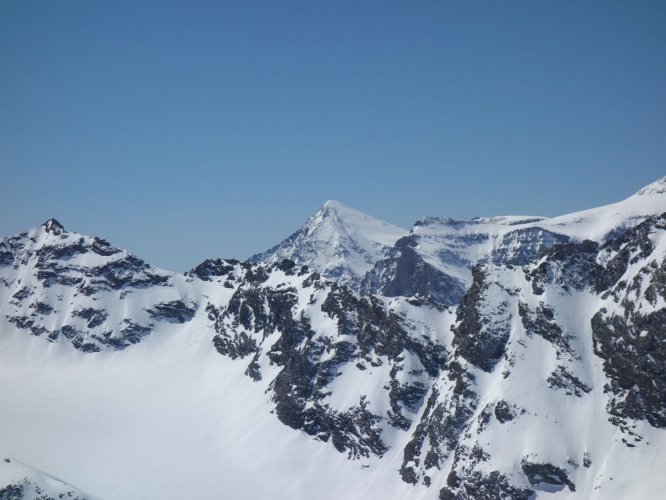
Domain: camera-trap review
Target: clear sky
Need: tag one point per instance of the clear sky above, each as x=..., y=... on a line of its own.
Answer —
x=186, y=130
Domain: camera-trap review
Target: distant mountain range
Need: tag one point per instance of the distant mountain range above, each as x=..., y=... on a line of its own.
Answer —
x=502, y=357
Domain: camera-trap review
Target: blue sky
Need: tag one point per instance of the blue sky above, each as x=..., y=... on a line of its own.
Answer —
x=186, y=130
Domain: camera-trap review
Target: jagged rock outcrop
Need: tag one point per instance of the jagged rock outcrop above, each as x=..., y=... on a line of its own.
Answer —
x=403, y=272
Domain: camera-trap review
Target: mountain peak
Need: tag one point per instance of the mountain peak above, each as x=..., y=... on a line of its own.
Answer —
x=339, y=241
x=340, y=209
x=53, y=226
x=657, y=187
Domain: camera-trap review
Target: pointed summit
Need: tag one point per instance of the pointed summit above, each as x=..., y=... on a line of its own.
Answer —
x=333, y=204
x=334, y=207
x=340, y=209
x=657, y=187
x=53, y=226
x=338, y=241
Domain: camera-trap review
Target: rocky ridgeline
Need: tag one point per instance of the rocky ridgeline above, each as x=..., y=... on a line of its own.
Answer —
x=436, y=258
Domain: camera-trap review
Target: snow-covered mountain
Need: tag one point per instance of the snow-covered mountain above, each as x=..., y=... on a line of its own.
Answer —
x=272, y=380
x=60, y=284
x=339, y=242
x=435, y=260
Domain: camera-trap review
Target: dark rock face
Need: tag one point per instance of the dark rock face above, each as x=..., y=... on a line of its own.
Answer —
x=480, y=339
x=477, y=486
x=538, y=473
x=542, y=322
x=130, y=332
x=23, y=293
x=175, y=311
x=404, y=273
x=134, y=332
x=76, y=337
x=6, y=255
x=522, y=246
x=466, y=481
x=53, y=267
x=380, y=331
x=634, y=353
x=561, y=378
x=631, y=247
x=95, y=317
x=632, y=342
x=212, y=268
x=504, y=412
x=12, y=492
x=629, y=340
x=42, y=308
x=123, y=273
x=445, y=418
x=572, y=266
x=53, y=226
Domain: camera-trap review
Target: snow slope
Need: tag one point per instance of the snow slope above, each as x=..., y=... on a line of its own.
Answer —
x=169, y=418
x=338, y=241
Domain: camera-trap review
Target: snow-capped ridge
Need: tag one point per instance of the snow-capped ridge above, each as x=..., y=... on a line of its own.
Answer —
x=339, y=241
x=437, y=256
x=656, y=187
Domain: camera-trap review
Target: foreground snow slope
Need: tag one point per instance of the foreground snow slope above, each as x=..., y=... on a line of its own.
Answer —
x=168, y=419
